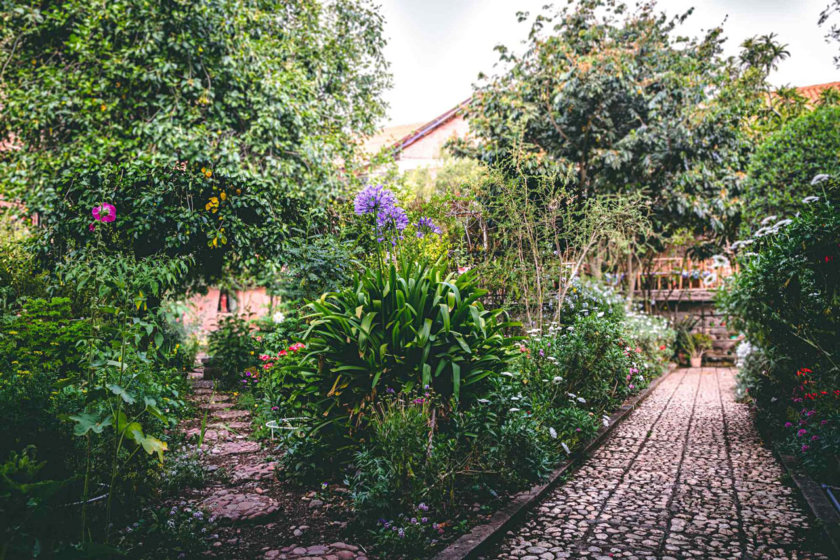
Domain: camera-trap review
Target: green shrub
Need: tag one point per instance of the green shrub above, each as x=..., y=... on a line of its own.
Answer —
x=41, y=359
x=782, y=169
x=26, y=498
x=233, y=349
x=403, y=327
x=403, y=461
x=786, y=299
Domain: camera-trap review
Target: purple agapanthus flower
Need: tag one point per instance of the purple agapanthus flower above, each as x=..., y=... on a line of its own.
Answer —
x=374, y=199
x=392, y=217
x=426, y=226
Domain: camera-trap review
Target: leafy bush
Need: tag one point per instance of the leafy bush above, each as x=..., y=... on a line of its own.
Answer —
x=25, y=501
x=402, y=462
x=786, y=299
x=406, y=326
x=233, y=349
x=317, y=265
x=782, y=169
x=41, y=359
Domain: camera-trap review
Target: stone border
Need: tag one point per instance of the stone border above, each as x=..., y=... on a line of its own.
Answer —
x=470, y=545
x=821, y=508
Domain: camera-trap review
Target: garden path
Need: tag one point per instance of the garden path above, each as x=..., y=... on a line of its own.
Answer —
x=684, y=476
x=259, y=517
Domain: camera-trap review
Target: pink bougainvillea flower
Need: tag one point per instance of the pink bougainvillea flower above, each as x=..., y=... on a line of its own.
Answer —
x=91, y=226
x=104, y=212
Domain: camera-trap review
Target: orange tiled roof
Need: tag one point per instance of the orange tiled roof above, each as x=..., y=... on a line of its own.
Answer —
x=812, y=93
x=388, y=137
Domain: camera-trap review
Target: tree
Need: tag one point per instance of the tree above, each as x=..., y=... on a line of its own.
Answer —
x=212, y=126
x=829, y=13
x=618, y=102
x=784, y=166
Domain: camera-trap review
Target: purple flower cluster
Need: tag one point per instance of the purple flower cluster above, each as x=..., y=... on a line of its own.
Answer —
x=374, y=199
x=392, y=217
x=425, y=226
x=381, y=202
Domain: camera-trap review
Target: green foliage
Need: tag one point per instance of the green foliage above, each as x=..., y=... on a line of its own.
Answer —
x=543, y=235
x=233, y=349
x=454, y=175
x=782, y=169
x=183, y=470
x=618, y=100
x=25, y=501
x=786, y=299
x=402, y=462
x=318, y=264
x=168, y=533
x=406, y=326
x=20, y=277
x=212, y=126
x=40, y=359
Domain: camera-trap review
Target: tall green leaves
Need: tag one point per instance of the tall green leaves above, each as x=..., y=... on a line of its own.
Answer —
x=405, y=326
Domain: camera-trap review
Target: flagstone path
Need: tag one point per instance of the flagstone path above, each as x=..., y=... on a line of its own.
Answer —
x=684, y=476
x=258, y=516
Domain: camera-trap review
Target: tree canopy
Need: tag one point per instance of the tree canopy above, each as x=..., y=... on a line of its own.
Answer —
x=211, y=125
x=784, y=166
x=614, y=101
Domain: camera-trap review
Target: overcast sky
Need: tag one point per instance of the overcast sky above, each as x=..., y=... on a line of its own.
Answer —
x=437, y=47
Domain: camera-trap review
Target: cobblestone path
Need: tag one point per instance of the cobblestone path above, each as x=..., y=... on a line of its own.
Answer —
x=684, y=476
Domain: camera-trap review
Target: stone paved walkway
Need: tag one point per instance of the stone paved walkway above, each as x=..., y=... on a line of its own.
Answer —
x=249, y=503
x=684, y=476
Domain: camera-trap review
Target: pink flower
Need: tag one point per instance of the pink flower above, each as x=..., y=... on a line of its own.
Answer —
x=805, y=447
x=91, y=226
x=801, y=432
x=815, y=438
x=632, y=386
x=104, y=212
x=788, y=425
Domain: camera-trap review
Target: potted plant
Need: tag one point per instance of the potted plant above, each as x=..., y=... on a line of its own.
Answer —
x=700, y=343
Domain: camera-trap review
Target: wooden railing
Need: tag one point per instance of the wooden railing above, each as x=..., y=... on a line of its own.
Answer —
x=677, y=273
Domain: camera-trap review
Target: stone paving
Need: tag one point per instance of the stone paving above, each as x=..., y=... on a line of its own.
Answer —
x=245, y=500
x=684, y=476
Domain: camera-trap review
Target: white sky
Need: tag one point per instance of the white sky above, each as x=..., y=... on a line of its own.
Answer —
x=437, y=47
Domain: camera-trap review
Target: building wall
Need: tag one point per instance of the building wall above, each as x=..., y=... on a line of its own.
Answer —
x=428, y=151
x=205, y=312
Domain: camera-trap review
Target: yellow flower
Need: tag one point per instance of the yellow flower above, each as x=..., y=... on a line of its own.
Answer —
x=223, y=196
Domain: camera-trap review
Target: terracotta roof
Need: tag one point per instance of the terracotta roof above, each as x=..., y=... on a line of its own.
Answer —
x=388, y=137
x=812, y=93
x=401, y=137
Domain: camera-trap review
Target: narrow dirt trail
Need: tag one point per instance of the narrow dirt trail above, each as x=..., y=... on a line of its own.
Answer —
x=684, y=476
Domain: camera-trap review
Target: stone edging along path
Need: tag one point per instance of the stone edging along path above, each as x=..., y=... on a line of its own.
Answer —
x=821, y=508
x=481, y=537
